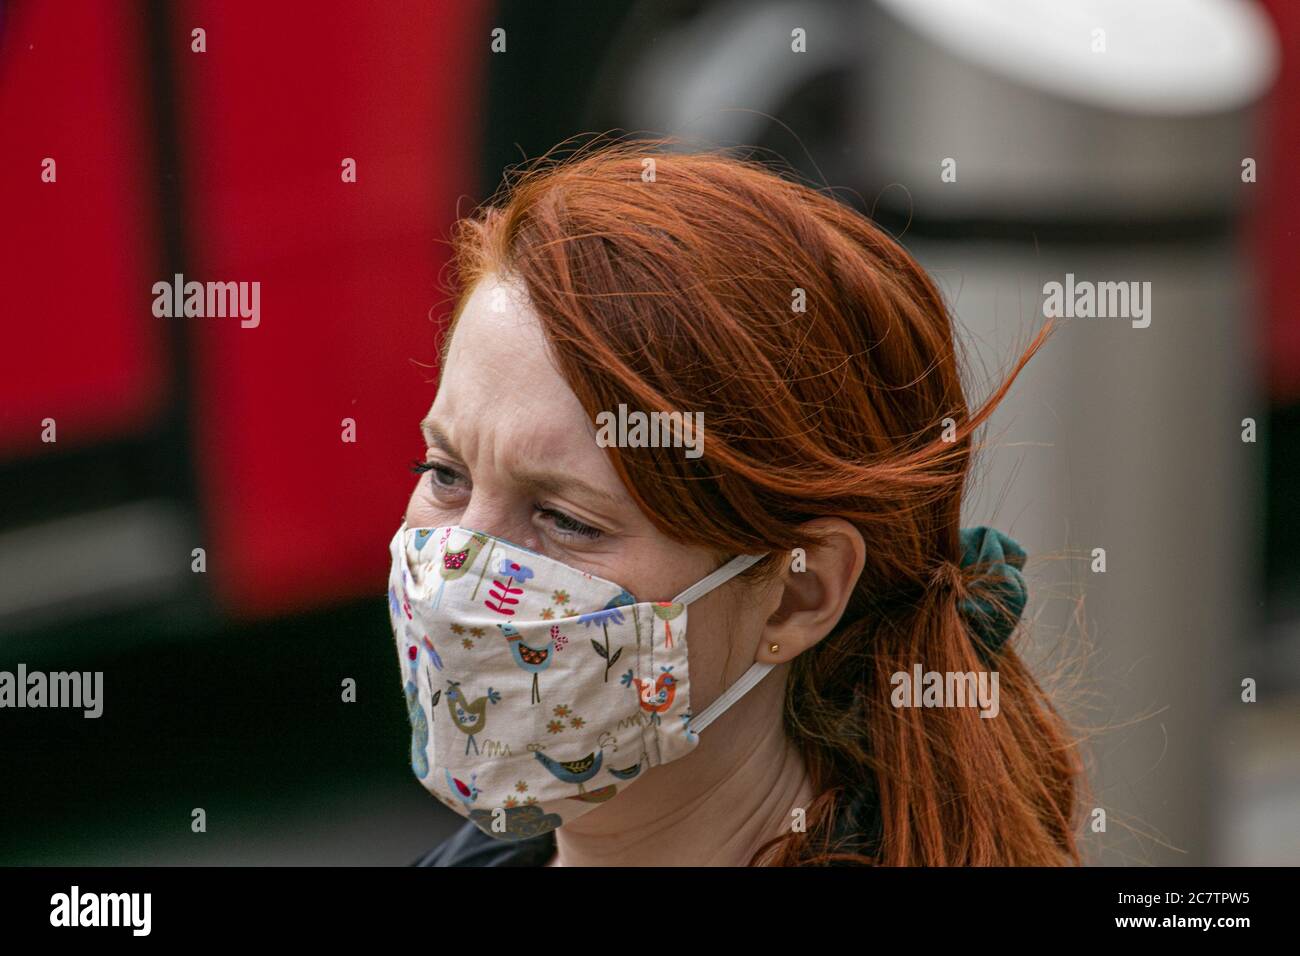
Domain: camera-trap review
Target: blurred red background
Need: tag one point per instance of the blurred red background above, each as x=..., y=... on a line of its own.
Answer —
x=260, y=124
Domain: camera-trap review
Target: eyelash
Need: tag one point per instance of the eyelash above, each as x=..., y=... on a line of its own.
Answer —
x=420, y=467
x=567, y=525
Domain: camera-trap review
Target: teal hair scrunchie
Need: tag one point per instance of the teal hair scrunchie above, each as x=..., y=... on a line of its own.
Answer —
x=996, y=601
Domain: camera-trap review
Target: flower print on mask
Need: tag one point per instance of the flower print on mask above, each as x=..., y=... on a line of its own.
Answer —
x=610, y=613
x=504, y=595
x=495, y=742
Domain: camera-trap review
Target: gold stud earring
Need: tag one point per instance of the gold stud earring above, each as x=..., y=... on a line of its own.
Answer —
x=773, y=648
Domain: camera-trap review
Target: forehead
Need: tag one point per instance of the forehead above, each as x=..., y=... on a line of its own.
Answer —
x=497, y=315
x=499, y=376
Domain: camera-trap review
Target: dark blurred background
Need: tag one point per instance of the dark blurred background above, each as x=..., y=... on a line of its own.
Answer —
x=223, y=688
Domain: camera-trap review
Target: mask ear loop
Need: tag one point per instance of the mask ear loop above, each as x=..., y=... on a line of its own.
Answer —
x=757, y=671
x=719, y=577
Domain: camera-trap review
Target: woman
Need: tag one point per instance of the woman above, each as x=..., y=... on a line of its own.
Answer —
x=801, y=511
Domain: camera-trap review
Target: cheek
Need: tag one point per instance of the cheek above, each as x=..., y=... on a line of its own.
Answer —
x=710, y=641
x=722, y=638
x=420, y=512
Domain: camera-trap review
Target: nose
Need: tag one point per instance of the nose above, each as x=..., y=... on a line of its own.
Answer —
x=501, y=519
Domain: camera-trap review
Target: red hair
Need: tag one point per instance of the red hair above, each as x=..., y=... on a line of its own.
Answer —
x=674, y=282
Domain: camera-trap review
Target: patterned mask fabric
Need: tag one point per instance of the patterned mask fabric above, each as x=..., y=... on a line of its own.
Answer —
x=536, y=691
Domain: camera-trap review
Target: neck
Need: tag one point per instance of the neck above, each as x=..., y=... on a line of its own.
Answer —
x=714, y=807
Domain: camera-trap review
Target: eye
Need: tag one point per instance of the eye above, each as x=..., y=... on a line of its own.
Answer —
x=567, y=525
x=440, y=475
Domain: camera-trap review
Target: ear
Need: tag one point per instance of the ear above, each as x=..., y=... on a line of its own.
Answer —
x=814, y=592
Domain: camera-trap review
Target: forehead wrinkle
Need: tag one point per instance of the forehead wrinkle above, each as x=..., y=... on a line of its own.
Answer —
x=550, y=460
x=528, y=445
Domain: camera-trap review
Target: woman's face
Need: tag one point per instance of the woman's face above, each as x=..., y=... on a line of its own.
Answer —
x=511, y=452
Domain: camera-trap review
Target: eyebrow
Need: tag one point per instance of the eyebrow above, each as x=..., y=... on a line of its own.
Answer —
x=551, y=482
x=433, y=435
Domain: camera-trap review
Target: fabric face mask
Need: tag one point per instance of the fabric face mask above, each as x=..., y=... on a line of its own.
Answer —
x=536, y=691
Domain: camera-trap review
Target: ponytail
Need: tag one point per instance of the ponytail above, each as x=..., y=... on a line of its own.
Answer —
x=951, y=788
